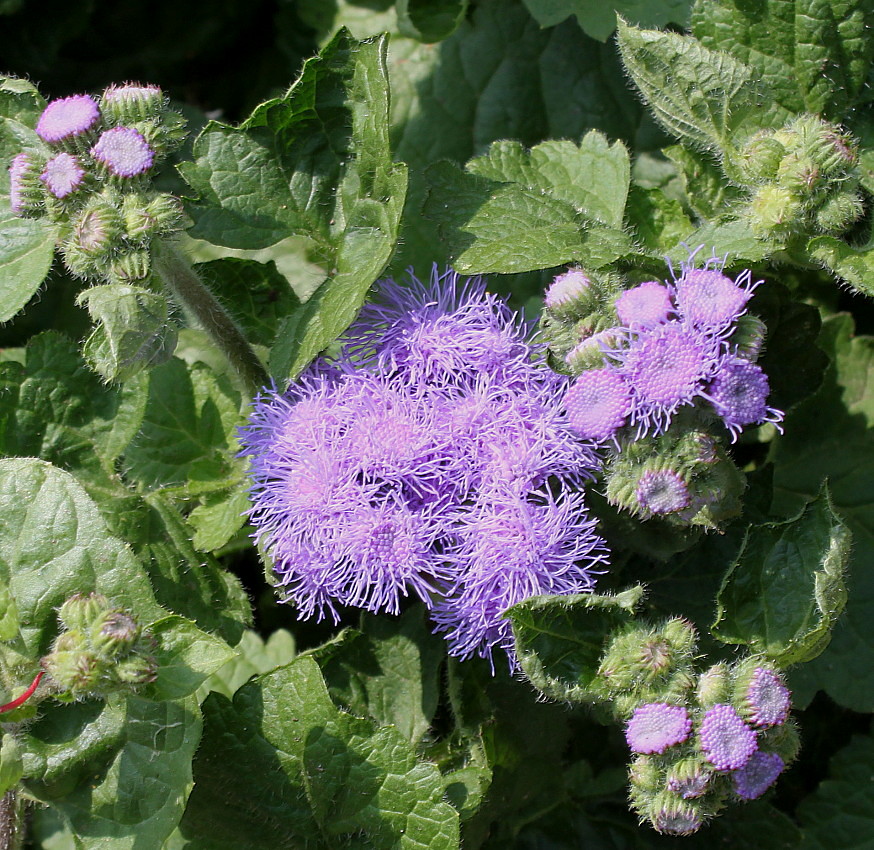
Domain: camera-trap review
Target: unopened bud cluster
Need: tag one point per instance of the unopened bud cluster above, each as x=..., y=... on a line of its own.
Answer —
x=664, y=372
x=804, y=178
x=101, y=649
x=699, y=740
x=91, y=175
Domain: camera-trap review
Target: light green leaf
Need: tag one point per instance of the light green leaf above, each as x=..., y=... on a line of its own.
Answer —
x=560, y=639
x=598, y=19
x=704, y=97
x=133, y=330
x=840, y=813
x=27, y=247
x=254, y=656
x=429, y=21
x=11, y=765
x=658, y=221
x=53, y=544
x=733, y=238
x=814, y=55
x=218, y=518
x=186, y=657
x=187, y=440
x=786, y=590
x=120, y=780
x=314, y=774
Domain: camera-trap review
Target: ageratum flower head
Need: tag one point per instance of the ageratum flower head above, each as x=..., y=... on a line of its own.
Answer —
x=433, y=457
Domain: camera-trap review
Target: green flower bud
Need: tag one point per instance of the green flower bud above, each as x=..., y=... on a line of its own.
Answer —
x=783, y=740
x=136, y=670
x=671, y=815
x=645, y=778
x=774, y=210
x=79, y=611
x=713, y=686
x=129, y=267
x=839, y=212
x=588, y=353
x=832, y=149
x=748, y=337
x=127, y=104
x=760, y=157
x=114, y=634
x=690, y=777
x=74, y=668
x=800, y=175
x=164, y=135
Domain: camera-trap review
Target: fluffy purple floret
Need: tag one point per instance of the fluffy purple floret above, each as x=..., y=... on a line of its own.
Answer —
x=726, y=741
x=768, y=699
x=598, y=404
x=508, y=547
x=707, y=298
x=566, y=289
x=662, y=491
x=440, y=333
x=739, y=392
x=67, y=118
x=757, y=775
x=19, y=169
x=646, y=305
x=666, y=368
x=124, y=152
x=655, y=726
x=62, y=175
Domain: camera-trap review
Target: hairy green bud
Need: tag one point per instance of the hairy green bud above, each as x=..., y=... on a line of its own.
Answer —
x=690, y=777
x=774, y=210
x=714, y=686
x=131, y=266
x=78, y=612
x=839, y=212
x=136, y=670
x=114, y=633
x=748, y=337
x=760, y=157
x=147, y=217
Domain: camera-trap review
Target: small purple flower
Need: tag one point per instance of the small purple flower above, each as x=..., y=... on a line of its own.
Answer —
x=124, y=152
x=726, y=741
x=67, y=118
x=22, y=175
x=62, y=175
x=666, y=368
x=757, y=775
x=655, y=726
x=738, y=392
x=647, y=305
x=567, y=290
x=767, y=698
x=598, y=404
x=708, y=299
x=662, y=491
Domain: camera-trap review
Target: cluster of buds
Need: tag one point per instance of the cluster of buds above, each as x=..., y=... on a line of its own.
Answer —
x=699, y=741
x=804, y=177
x=663, y=370
x=90, y=174
x=101, y=649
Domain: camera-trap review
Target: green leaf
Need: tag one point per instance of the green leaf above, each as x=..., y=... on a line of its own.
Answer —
x=599, y=19
x=734, y=238
x=219, y=518
x=560, y=639
x=186, y=657
x=55, y=408
x=658, y=221
x=313, y=774
x=254, y=656
x=27, y=247
x=838, y=447
x=21, y=100
x=132, y=332
x=53, y=544
x=853, y=265
x=840, y=813
x=429, y=20
x=11, y=764
x=187, y=440
x=707, y=192
x=515, y=210
x=814, y=55
x=704, y=97
x=259, y=296
x=120, y=780
x=786, y=590
x=389, y=671
x=315, y=162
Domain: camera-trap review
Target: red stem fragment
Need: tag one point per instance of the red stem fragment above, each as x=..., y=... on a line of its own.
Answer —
x=25, y=696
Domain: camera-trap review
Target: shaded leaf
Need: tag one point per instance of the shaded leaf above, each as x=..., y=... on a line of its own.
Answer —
x=427, y=20
x=854, y=265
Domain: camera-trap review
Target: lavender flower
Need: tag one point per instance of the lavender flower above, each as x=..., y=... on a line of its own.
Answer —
x=656, y=726
x=757, y=775
x=646, y=305
x=124, y=152
x=598, y=404
x=62, y=175
x=567, y=291
x=24, y=189
x=739, y=391
x=708, y=299
x=662, y=491
x=67, y=118
x=726, y=741
x=767, y=699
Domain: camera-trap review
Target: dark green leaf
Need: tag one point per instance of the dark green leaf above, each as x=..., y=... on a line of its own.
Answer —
x=560, y=639
x=702, y=96
x=854, y=265
x=20, y=100
x=707, y=192
x=314, y=774
x=133, y=330
x=786, y=590
x=427, y=20
x=814, y=55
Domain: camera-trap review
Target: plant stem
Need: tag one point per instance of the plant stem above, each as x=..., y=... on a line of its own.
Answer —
x=193, y=295
x=11, y=821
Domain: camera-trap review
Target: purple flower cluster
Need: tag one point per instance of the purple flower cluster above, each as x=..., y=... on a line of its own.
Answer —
x=432, y=457
x=674, y=348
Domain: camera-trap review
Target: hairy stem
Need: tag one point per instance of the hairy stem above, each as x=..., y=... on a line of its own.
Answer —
x=193, y=295
x=11, y=821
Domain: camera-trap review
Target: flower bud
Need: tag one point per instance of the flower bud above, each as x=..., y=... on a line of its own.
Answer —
x=26, y=189
x=713, y=686
x=136, y=670
x=670, y=815
x=570, y=295
x=78, y=612
x=839, y=212
x=774, y=210
x=760, y=694
x=800, y=175
x=165, y=134
x=129, y=103
x=129, y=267
x=783, y=740
x=588, y=353
x=145, y=218
x=114, y=633
x=689, y=778
x=760, y=157
x=748, y=337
